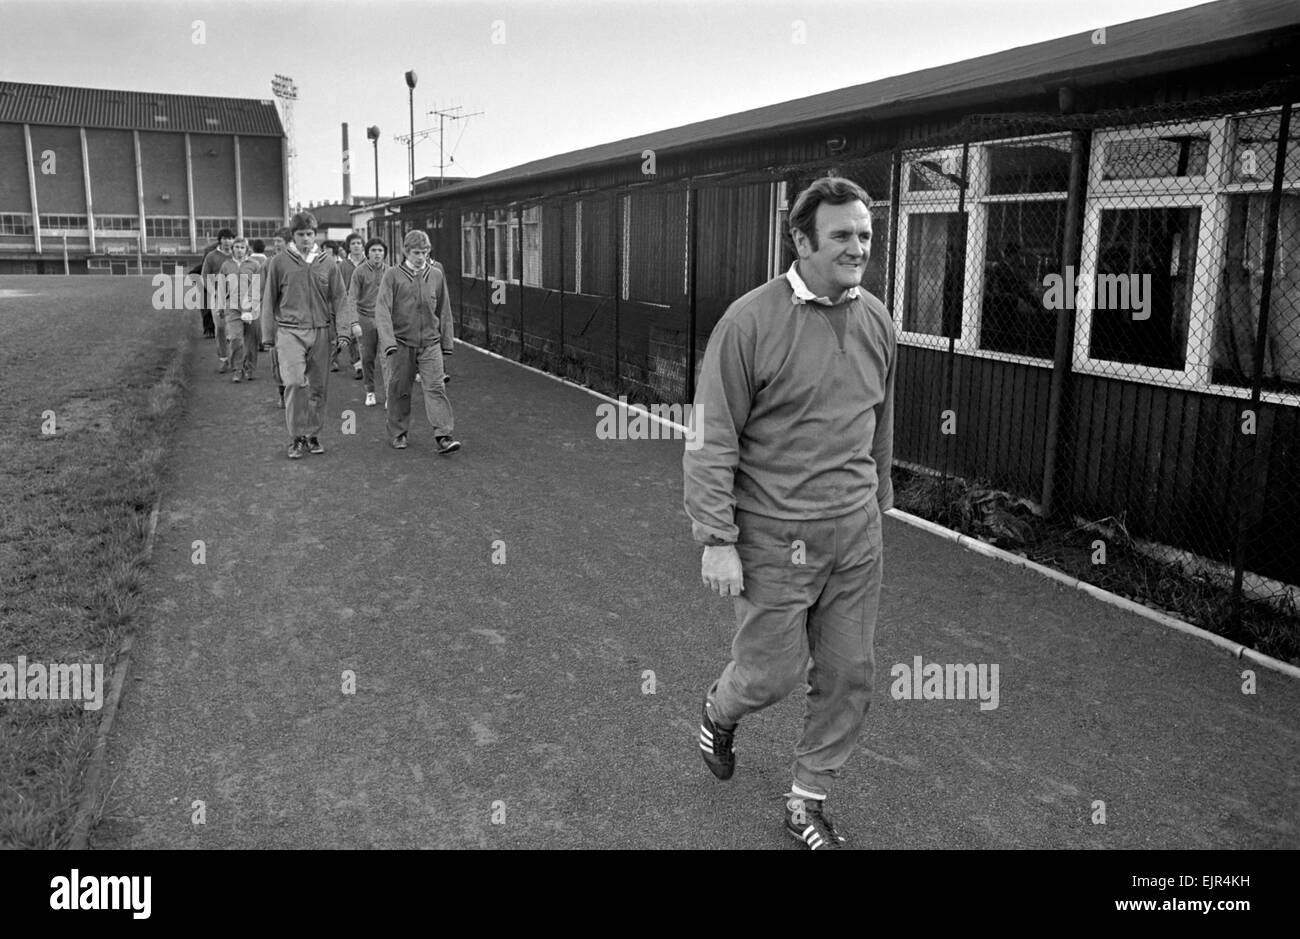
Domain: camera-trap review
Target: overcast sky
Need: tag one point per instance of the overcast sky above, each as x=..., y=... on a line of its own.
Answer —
x=549, y=77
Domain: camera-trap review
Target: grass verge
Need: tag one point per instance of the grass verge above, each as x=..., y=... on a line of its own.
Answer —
x=1010, y=523
x=76, y=515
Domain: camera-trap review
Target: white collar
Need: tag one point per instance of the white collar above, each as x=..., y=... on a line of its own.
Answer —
x=803, y=295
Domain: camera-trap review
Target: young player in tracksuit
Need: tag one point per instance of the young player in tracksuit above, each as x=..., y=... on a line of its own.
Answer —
x=239, y=297
x=413, y=316
x=363, y=287
x=353, y=259
x=788, y=490
x=211, y=267
x=282, y=239
x=302, y=295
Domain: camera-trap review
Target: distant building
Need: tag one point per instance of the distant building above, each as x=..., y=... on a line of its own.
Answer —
x=100, y=181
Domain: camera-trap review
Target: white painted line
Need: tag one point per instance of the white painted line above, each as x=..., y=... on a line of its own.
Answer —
x=1236, y=649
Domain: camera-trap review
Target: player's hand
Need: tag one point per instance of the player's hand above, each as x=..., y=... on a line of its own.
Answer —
x=721, y=571
x=356, y=330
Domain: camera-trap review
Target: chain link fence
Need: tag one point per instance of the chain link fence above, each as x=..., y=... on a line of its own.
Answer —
x=1098, y=314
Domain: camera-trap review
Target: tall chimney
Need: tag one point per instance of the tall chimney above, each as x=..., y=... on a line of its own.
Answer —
x=347, y=168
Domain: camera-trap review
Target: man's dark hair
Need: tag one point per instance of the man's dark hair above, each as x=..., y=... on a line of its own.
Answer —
x=284, y=234
x=376, y=241
x=225, y=233
x=302, y=221
x=258, y=245
x=831, y=190
x=347, y=242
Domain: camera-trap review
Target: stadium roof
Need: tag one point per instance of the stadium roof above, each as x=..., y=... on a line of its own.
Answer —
x=1183, y=39
x=62, y=106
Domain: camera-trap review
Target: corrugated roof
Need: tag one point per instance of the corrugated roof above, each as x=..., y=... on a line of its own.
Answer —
x=63, y=106
x=1156, y=44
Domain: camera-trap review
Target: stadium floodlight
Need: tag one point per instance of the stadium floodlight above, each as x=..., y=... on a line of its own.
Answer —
x=373, y=133
x=410, y=147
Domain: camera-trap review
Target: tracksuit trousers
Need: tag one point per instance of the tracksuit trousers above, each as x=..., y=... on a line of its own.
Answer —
x=824, y=607
x=402, y=366
x=303, y=354
x=241, y=342
x=369, y=351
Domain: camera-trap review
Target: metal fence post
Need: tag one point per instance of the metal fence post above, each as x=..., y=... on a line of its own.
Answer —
x=617, y=242
x=1245, y=494
x=1071, y=248
x=563, y=275
x=949, y=377
x=692, y=273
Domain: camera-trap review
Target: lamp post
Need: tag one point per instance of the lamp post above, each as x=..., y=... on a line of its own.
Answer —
x=410, y=84
x=373, y=133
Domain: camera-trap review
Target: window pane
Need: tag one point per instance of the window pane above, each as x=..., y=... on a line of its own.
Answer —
x=1237, y=320
x=938, y=170
x=1254, y=154
x=1023, y=246
x=1145, y=264
x=1038, y=166
x=1155, y=157
x=936, y=267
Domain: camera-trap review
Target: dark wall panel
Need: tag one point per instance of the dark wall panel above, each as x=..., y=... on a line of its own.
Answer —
x=262, y=176
x=112, y=174
x=15, y=193
x=163, y=159
x=214, y=174
x=64, y=189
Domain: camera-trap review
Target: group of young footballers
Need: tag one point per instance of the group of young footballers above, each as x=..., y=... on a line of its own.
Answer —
x=309, y=304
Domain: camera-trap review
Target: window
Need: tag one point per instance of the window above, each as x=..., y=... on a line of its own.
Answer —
x=497, y=249
x=15, y=223
x=777, y=252
x=208, y=228
x=1252, y=164
x=175, y=226
x=471, y=238
x=932, y=228
x=1153, y=229
x=533, y=246
x=263, y=228
x=1141, y=298
x=117, y=223
x=64, y=224
x=935, y=273
x=1022, y=214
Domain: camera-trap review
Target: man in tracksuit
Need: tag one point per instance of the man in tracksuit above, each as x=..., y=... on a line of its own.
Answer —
x=413, y=316
x=787, y=491
x=354, y=257
x=211, y=268
x=239, y=297
x=302, y=295
x=362, y=290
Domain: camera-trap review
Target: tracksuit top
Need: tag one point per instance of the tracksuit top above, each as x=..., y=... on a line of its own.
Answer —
x=413, y=308
x=796, y=411
x=348, y=268
x=212, y=263
x=365, y=287
x=248, y=296
x=303, y=295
